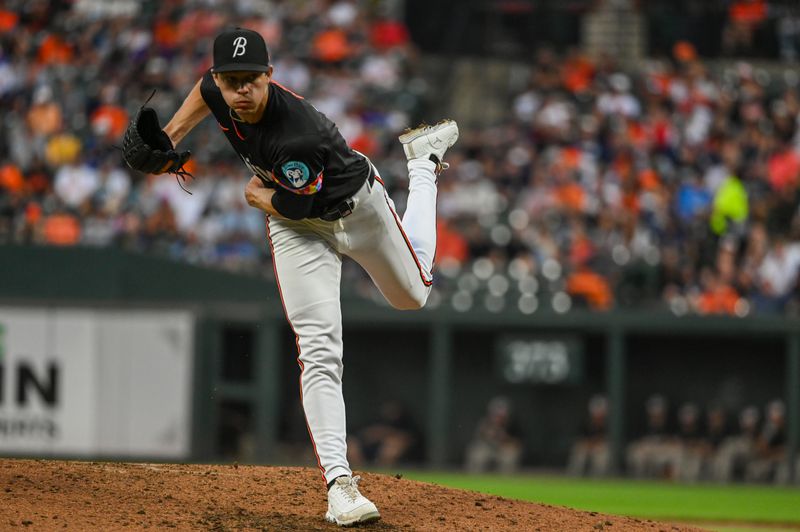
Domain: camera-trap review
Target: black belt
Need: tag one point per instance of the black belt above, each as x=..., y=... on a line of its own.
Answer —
x=345, y=207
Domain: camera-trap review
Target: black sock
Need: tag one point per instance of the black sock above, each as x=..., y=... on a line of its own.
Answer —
x=330, y=484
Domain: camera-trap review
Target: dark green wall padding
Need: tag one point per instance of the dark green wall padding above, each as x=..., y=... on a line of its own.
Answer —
x=34, y=272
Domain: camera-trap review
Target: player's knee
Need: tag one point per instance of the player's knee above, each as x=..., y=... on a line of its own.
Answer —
x=413, y=300
x=410, y=305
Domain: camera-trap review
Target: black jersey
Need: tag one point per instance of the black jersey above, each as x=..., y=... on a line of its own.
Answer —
x=293, y=148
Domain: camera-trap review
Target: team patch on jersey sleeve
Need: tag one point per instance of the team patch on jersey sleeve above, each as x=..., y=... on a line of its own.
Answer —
x=297, y=173
x=300, y=178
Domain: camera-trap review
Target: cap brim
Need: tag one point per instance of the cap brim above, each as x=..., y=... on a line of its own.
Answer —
x=240, y=67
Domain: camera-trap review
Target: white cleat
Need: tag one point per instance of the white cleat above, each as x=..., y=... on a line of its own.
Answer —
x=430, y=142
x=346, y=505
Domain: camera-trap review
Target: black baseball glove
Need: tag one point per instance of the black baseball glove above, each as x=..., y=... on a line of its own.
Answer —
x=147, y=148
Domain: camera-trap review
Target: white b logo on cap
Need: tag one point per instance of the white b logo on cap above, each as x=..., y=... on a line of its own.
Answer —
x=238, y=46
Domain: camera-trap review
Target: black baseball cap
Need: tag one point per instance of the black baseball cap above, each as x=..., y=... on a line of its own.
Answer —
x=240, y=49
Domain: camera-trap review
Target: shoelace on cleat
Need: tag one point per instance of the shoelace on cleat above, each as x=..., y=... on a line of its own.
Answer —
x=351, y=489
x=425, y=125
x=422, y=125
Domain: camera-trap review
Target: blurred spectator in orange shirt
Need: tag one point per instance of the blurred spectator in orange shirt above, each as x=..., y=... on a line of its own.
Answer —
x=716, y=297
x=750, y=12
x=61, y=229
x=591, y=287
x=684, y=52
x=581, y=248
x=8, y=20
x=166, y=34
x=569, y=194
x=332, y=46
x=11, y=179
x=577, y=73
x=55, y=50
x=109, y=121
x=745, y=17
x=450, y=245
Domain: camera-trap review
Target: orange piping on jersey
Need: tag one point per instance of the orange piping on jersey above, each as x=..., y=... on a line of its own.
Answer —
x=236, y=129
x=425, y=281
x=290, y=91
x=297, y=344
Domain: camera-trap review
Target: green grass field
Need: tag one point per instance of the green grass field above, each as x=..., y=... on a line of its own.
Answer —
x=721, y=507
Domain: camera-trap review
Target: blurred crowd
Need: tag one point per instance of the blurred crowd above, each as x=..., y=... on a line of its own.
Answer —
x=667, y=185
x=673, y=185
x=725, y=28
x=74, y=72
x=690, y=445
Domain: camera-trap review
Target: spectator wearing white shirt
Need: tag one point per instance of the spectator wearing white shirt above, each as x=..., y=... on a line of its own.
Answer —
x=113, y=189
x=75, y=183
x=776, y=278
x=619, y=101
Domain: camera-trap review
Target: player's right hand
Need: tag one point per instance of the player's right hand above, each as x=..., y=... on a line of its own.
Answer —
x=258, y=194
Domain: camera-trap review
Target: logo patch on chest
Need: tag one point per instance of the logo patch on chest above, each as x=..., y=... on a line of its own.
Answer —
x=296, y=172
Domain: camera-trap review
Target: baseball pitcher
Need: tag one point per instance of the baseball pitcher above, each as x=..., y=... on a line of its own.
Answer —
x=322, y=200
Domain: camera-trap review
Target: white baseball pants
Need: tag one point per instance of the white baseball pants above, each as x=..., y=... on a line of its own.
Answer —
x=398, y=256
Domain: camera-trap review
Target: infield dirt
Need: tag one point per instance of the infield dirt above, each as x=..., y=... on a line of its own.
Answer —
x=58, y=495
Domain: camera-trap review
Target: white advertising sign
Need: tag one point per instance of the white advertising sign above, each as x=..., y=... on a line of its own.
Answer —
x=95, y=382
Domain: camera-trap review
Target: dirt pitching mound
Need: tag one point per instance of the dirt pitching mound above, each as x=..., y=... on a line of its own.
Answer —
x=56, y=495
